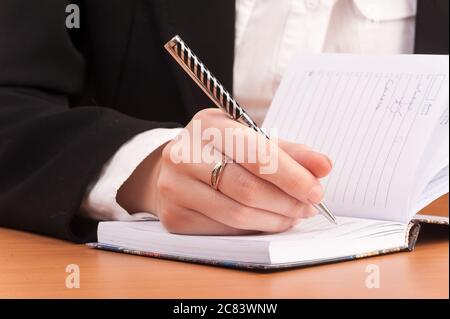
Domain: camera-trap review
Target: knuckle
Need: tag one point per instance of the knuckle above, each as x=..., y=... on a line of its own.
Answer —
x=292, y=183
x=247, y=186
x=200, y=114
x=205, y=113
x=163, y=185
x=295, y=208
x=170, y=220
x=255, y=166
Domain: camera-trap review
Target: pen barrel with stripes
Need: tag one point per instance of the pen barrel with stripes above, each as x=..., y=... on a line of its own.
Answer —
x=208, y=82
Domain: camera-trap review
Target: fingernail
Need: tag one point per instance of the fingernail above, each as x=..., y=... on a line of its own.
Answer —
x=315, y=194
x=329, y=161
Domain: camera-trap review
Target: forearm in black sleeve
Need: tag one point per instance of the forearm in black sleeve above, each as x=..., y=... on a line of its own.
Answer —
x=49, y=153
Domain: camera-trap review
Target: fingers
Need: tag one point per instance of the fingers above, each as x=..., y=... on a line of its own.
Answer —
x=244, y=187
x=284, y=172
x=202, y=198
x=318, y=164
x=249, y=197
x=179, y=220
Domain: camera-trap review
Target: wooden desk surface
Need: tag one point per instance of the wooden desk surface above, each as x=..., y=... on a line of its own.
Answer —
x=32, y=266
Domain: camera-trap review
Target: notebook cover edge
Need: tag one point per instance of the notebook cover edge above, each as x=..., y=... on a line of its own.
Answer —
x=250, y=266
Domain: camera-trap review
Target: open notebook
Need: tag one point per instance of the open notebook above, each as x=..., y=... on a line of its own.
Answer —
x=384, y=122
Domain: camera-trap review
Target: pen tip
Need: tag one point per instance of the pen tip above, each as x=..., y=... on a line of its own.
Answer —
x=322, y=208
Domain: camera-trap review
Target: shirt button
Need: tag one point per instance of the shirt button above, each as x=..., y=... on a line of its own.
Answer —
x=312, y=4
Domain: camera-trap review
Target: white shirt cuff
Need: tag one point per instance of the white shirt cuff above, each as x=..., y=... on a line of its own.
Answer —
x=100, y=200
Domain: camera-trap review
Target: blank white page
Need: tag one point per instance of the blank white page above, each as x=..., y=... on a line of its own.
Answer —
x=373, y=115
x=314, y=238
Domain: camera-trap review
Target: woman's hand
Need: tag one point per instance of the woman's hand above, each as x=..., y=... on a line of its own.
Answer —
x=174, y=181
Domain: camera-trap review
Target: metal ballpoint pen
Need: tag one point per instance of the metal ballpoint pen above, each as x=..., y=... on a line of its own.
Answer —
x=219, y=95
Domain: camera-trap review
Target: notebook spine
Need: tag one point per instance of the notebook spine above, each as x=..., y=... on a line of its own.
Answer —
x=412, y=234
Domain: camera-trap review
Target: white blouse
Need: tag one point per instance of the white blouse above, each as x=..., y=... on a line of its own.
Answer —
x=269, y=33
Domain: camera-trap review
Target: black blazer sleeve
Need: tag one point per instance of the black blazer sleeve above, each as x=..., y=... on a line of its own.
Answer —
x=49, y=152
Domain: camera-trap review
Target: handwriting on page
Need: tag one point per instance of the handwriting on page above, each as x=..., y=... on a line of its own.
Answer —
x=363, y=121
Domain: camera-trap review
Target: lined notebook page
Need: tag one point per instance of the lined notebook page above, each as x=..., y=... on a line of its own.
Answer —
x=372, y=115
x=435, y=165
x=434, y=189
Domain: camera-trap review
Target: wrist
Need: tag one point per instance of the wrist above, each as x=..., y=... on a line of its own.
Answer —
x=138, y=193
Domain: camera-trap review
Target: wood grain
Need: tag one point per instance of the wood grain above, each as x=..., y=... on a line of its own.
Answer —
x=438, y=208
x=33, y=266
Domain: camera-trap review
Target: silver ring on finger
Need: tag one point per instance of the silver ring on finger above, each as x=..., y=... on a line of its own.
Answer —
x=217, y=172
